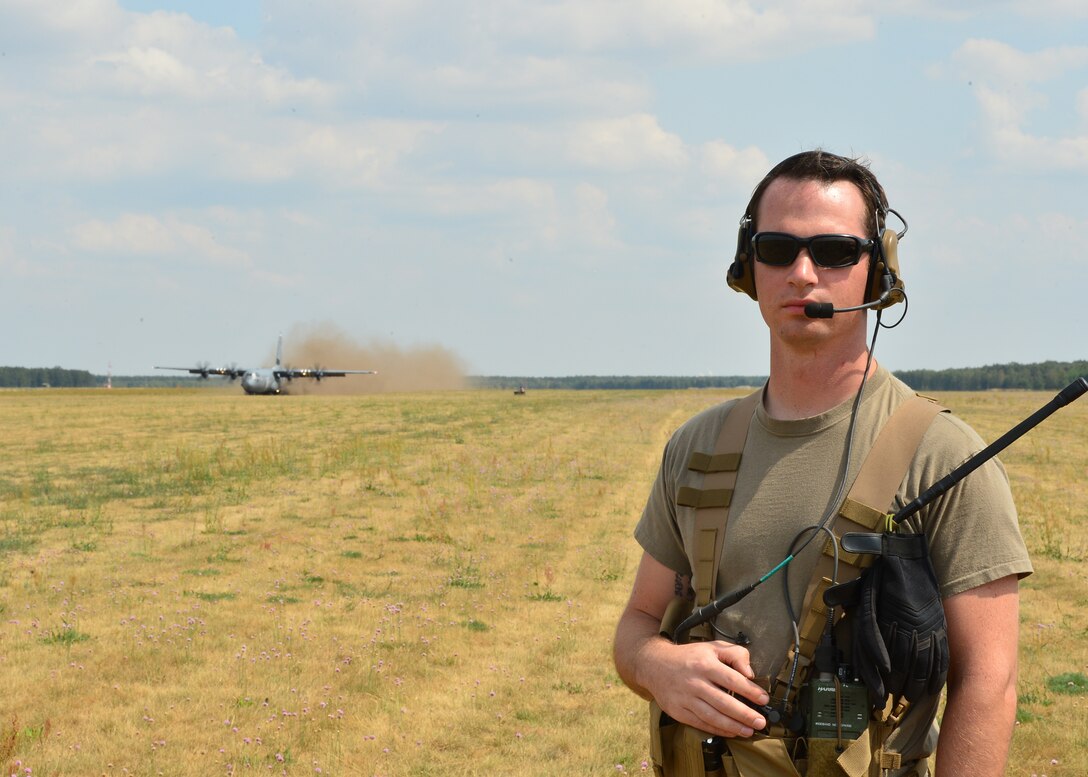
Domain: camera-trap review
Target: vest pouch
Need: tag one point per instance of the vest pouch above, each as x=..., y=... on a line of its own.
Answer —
x=862, y=757
x=677, y=750
x=762, y=756
x=823, y=755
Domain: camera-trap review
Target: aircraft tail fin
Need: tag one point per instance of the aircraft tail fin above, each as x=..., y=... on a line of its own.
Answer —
x=279, y=351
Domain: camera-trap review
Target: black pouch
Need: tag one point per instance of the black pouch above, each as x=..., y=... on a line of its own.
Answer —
x=900, y=636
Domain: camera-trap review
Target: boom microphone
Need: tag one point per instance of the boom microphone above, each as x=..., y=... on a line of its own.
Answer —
x=827, y=310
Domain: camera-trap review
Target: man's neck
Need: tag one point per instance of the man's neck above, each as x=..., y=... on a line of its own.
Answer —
x=802, y=386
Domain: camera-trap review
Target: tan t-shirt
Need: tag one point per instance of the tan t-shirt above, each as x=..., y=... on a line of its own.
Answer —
x=787, y=481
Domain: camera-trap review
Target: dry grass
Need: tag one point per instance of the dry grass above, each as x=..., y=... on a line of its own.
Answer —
x=204, y=583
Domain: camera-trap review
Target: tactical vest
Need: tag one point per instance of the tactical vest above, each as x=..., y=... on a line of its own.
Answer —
x=678, y=750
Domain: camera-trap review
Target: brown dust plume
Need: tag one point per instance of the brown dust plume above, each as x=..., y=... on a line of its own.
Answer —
x=424, y=368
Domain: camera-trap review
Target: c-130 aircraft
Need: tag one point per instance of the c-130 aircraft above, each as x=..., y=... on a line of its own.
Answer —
x=268, y=380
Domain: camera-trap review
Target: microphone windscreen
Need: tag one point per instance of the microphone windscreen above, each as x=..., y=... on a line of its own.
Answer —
x=819, y=310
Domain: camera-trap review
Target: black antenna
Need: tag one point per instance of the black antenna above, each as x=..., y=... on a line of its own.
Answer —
x=1068, y=394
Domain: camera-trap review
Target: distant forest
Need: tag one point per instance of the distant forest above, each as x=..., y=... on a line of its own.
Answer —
x=45, y=377
x=616, y=382
x=58, y=377
x=1041, y=376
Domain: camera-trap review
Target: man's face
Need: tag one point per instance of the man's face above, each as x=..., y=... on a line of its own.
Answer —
x=806, y=208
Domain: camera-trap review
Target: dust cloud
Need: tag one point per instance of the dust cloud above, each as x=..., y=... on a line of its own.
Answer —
x=427, y=368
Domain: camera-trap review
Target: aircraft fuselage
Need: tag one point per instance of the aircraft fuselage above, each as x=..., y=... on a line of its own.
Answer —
x=260, y=382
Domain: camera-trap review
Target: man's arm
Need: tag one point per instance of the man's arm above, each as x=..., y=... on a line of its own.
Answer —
x=983, y=631
x=689, y=682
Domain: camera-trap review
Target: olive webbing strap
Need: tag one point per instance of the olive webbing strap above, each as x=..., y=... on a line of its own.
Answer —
x=711, y=502
x=877, y=482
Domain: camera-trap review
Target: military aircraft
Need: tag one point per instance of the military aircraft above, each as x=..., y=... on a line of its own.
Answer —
x=268, y=380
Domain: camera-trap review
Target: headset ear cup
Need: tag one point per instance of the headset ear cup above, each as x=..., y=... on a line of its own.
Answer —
x=884, y=270
x=740, y=277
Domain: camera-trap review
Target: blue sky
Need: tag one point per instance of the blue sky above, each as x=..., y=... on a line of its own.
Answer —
x=540, y=188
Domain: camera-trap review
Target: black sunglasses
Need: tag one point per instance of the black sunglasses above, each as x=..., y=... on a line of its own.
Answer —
x=781, y=248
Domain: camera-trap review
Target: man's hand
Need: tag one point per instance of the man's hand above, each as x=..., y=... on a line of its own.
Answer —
x=692, y=683
x=695, y=684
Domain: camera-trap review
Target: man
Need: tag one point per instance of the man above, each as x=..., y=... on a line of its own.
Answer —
x=803, y=431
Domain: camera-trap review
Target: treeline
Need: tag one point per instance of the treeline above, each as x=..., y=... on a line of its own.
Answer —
x=616, y=382
x=44, y=377
x=1040, y=376
x=161, y=381
x=58, y=377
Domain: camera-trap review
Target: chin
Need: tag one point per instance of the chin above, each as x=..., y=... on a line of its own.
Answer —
x=805, y=331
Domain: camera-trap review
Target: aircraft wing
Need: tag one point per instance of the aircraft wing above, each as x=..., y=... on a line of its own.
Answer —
x=317, y=373
x=230, y=372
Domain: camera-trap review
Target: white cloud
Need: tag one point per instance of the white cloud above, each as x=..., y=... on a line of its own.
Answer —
x=561, y=55
x=168, y=55
x=626, y=144
x=1061, y=10
x=70, y=20
x=704, y=30
x=528, y=82
x=595, y=222
x=12, y=264
x=1028, y=151
x=1061, y=233
x=997, y=62
x=111, y=95
x=719, y=160
x=151, y=71
x=1011, y=86
x=140, y=234
x=1003, y=109
x=959, y=11
x=91, y=46
x=507, y=197
x=355, y=154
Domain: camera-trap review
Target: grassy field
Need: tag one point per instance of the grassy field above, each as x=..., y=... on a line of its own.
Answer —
x=198, y=583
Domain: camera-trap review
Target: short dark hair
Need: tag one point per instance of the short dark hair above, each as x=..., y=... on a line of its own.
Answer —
x=827, y=168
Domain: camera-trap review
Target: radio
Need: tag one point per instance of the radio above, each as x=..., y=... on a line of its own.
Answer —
x=835, y=708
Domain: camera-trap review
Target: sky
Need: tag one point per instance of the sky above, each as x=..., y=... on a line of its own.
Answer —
x=538, y=187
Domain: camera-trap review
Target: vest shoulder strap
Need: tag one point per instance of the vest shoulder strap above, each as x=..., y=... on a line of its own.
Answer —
x=712, y=500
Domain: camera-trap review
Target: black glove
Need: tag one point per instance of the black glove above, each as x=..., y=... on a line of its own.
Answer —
x=900, y=638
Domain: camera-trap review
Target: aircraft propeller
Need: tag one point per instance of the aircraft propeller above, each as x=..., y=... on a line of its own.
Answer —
x=203, y=368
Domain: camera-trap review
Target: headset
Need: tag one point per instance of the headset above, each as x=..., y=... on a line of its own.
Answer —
x=885, y=286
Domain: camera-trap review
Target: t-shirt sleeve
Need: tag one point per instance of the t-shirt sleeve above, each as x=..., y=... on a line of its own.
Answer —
x=973, y=530
x=657, y=530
